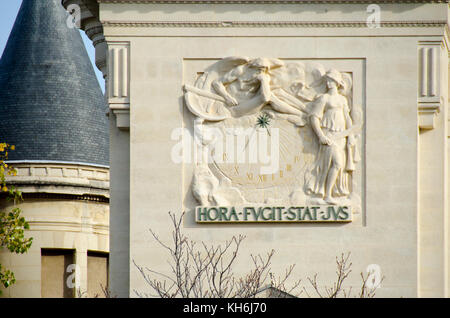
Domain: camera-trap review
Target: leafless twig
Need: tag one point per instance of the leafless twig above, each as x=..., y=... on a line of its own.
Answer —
x=207, y=270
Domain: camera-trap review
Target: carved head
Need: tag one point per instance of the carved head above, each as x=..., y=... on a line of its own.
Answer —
x=260, y=64
x=335, y=76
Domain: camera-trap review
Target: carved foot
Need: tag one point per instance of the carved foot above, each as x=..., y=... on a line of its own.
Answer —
x=317, y=201
x=331, y=201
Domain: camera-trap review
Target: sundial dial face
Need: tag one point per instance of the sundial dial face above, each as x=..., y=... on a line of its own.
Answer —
x=281, y=145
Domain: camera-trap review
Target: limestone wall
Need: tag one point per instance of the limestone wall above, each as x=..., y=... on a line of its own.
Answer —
x=402, y=225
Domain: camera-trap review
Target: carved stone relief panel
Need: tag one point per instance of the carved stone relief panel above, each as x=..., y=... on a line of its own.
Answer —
x=274, y=132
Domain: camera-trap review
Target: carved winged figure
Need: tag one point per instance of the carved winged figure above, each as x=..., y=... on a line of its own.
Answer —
x=244, y=89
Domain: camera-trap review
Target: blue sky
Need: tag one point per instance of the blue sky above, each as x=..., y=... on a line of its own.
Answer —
x=8, y=13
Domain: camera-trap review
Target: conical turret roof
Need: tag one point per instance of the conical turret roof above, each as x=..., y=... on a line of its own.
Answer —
x=51, y=104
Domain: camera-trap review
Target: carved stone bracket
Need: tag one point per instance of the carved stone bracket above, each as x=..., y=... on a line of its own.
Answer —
x=118, y=82
x=122, y=117
x=429, y=91
x=427, y=114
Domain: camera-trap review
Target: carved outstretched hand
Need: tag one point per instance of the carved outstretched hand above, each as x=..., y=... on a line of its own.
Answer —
x=231, y=101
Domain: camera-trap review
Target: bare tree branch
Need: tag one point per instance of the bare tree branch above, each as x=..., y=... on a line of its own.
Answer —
x=207, y=270
x=342, y=272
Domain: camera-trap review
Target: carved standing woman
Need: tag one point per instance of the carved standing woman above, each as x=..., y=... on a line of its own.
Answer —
x=330, y=119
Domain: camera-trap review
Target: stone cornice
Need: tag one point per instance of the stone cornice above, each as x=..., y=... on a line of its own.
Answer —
x=68, y=197
x=271, y=1
x=259, y=24
x=91, y=25
x=57, y=178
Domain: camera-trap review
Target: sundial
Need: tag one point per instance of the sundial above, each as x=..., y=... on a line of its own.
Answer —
x=276, y=132
x=284, y=161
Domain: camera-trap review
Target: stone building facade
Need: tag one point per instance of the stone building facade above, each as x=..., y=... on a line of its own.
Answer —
x=382, y=67
x=356, y=93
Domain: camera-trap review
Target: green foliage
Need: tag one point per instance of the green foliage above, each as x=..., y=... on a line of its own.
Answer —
x=6, y=277
x=12, y=224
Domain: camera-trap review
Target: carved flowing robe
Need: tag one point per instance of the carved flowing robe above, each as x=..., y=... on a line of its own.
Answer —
x=332, y=116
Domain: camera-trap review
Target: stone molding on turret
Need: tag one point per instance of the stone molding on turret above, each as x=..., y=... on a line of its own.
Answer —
x=88, y=182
